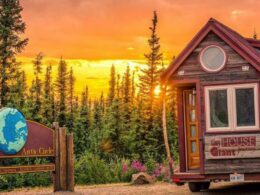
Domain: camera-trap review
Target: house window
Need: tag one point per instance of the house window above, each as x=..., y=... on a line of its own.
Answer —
x=218, y=108
x=232, y=107
x=212, y=58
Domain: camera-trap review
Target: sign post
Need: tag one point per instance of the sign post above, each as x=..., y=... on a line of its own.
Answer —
x=20, y=138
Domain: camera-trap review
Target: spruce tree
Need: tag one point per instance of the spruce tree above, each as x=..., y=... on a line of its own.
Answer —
x=11, y=44
x=19, y=93
x=118, y=94
x=61, y=85
x=127, y=86
x=47, y=110
x=96, y=133
x=22, y=90
x=71, y=99
x=37, y=87
x=113, y=130
x=112, y=86
x=133, y=88
x=149, y=79
x=150, y=76
x=82, y=126
x=126, y=133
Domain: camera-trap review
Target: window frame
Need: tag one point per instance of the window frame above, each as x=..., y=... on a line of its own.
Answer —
x=232, y=109
x=204, y=67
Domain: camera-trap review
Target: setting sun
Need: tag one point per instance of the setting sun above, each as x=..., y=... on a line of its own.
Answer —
x=157, y=90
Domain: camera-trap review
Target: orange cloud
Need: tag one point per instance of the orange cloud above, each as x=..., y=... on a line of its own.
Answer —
x=103, y=29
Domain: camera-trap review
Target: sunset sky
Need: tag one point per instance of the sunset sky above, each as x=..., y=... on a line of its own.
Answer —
x=93, y=34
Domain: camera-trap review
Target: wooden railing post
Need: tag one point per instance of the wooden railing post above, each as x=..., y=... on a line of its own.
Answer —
x=56, y=184
x=70, y=163
x=63, y=159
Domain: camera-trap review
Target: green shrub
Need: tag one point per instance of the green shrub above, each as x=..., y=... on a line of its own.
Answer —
x=9, y=182
x=150, y=165
x=90, y=169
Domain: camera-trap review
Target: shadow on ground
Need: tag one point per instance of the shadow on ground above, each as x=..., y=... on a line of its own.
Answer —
x=234, y=188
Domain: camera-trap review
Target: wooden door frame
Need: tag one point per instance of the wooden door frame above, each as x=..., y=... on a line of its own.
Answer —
x=185, y=114
x=181, y=85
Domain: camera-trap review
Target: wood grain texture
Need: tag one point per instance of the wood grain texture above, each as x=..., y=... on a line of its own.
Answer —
x=27, y=169
x=56, y=174
x=231, y=74
x=232, y=166
x=246, y=159
x=70, y=163
x=63, y=159
x=181, y=129
x=232, y=70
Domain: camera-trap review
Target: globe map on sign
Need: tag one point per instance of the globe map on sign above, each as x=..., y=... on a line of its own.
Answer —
x=13, y=131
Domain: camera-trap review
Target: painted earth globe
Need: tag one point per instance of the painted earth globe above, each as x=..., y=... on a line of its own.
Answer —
x=13, y=131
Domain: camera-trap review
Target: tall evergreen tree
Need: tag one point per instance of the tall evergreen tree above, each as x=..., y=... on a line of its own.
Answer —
x=126, y=112
x=18, y=92
x=62, y=91
x=127, y=86
x=149, y=79
x=82, y=125
x=112, y=86
x=47, y=108
x=96, y=133
x=11, y=44
x=133, y=88
x=118, y=86
x=37, y=87
x=150, y=76
x=113, y=130
x=22, y=90
x=71, y=99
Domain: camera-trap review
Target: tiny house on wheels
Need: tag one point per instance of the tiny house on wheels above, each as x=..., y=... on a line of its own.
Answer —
x=217, y=78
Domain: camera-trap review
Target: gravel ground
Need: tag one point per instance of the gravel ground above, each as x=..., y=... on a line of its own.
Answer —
x=155, y=189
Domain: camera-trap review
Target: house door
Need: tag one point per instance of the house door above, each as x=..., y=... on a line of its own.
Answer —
x=191, y=127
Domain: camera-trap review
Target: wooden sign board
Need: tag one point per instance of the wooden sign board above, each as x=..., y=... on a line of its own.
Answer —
x=21, y=138
x=27, y=169
x=40, y=142
x=232, y=146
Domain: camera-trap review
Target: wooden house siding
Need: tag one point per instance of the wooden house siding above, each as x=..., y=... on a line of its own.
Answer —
x=231, y=73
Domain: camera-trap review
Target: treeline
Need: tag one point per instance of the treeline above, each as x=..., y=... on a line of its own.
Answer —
x=125, y=124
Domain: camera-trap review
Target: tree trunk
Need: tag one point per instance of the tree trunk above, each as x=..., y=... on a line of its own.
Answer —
x=165, y=131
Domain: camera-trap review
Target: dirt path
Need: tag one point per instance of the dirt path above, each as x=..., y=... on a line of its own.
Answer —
x=156, y=189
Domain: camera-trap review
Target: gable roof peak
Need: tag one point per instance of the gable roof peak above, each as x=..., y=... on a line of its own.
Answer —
x=212, y=20
x=231, y=37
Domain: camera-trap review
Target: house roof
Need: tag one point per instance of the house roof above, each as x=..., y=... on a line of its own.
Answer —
x=244, y=46
x=254, y=42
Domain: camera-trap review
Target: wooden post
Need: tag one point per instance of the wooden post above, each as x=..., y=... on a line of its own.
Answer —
x=56, y=184
x=63, y=159
x=70, y=163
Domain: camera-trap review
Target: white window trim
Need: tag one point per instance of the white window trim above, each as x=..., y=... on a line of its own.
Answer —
x=256, y=103
x=231, y=104
x=205, y=67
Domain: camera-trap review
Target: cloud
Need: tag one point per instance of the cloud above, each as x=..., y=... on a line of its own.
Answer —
x=103, y=29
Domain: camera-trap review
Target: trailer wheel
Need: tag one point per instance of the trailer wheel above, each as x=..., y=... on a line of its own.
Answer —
x=195, y=186
x=198, y=186
x=205, y=185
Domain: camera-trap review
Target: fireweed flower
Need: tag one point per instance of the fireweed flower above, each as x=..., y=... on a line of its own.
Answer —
x=124, y=168
x=138, y=166
x=158, y=170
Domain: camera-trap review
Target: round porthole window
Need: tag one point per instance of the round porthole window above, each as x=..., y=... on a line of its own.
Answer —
x=212, y=58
